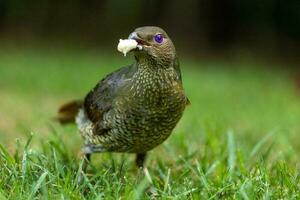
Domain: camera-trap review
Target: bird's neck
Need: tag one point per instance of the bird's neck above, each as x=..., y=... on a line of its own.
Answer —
x=148, y=63
x=155, y=73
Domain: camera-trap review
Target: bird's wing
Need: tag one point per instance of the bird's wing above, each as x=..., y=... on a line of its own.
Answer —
x=99, y=100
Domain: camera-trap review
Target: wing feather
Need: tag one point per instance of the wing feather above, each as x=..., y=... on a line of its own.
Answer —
x=100, y=100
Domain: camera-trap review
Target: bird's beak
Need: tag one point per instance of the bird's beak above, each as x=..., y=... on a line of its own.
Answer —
x=133, y=36
x=141, y=43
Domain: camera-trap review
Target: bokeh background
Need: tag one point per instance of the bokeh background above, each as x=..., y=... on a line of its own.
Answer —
x=239, y=61
x=239, y=139
x=268, y=28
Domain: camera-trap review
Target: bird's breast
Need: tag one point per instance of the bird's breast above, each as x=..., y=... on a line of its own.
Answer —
x=154, y=102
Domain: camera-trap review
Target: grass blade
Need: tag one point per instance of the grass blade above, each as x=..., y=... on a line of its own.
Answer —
x=2, y=196
x=231, y=151
x=6, y=155
x=259, y=145
x=38, y=185
x=243, y=191
x=167, y=181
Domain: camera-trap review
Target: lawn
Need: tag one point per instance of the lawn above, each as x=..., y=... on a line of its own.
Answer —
x=238, y=140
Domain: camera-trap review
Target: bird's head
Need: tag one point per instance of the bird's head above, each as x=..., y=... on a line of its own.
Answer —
x=154, y=45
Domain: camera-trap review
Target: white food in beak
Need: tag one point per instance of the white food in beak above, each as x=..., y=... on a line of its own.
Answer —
x=127, y=45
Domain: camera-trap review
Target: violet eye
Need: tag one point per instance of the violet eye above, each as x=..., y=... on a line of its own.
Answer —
x=159, y=38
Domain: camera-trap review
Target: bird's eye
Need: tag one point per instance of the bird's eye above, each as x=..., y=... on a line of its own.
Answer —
x=159, y=38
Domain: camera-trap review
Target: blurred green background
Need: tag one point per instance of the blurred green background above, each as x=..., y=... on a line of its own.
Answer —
x=54, y=51
x=240, y=65
x=239, y=59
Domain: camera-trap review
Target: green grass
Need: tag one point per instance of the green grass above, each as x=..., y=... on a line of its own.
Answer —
x=238, y=139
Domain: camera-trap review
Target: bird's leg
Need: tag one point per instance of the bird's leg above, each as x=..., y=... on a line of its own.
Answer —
x=87, y=151
x=86, y=161
x=144, y=173
x=140, y=159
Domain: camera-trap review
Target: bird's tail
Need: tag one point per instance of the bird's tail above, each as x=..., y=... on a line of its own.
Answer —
x=67, y=112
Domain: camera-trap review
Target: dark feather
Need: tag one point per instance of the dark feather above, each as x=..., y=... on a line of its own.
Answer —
x=99, y=100
x=67, y=112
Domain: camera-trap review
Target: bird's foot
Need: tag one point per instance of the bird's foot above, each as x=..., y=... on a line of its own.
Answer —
x=86, y=157
x=144, y=177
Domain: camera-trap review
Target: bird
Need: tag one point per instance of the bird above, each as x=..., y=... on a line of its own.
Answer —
x=135, y=108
